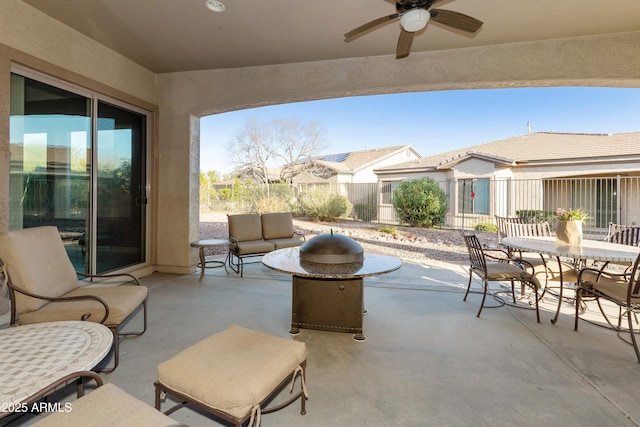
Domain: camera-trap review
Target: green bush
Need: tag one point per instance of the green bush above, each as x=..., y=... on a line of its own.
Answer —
x=271, y=204
x=486, y=226
x=279, y=199
x=324, y=205
x=389, y=229
x=420, y=203
x=366, y=211
x=535, y=215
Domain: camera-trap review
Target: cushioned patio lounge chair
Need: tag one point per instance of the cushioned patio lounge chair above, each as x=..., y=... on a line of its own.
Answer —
x=108, y=405
x=43, y=286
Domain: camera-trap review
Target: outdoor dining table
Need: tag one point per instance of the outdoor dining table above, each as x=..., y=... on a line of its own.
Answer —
x=589, y=250
x=35, y=357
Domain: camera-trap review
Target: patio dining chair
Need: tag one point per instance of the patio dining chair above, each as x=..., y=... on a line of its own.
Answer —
x=621, y=289
x=623, y=235
x=502, y=221
x=545, y=269
x=495, y=265
x=44, y=286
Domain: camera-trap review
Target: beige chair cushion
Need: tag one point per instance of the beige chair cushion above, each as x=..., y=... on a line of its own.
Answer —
x=506, y=271
x=614, y=288
x=233, y=370
x=122, y=301
x=278, y=225
x=245, y=227
x=251, y=247
x=108, y=406
x=37, y=262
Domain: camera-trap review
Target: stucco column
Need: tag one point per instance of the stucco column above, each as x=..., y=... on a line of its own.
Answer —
x=178, y=168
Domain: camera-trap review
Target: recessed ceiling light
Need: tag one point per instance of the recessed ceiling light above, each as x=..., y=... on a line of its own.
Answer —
x=214, y=5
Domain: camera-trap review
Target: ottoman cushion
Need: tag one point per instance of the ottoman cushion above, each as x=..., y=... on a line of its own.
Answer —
x=233, y=370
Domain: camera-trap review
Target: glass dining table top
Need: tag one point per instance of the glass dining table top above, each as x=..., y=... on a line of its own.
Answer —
x=597, y=250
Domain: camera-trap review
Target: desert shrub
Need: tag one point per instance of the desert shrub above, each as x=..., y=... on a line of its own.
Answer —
x=278, y=199
x=535, y=215
x=366, y=211
x=486, y=226
x=324, y=205
x=390, y=229
x=420, y=203
x=271, y=204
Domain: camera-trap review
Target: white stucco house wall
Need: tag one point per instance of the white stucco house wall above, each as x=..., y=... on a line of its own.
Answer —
x=535, y=171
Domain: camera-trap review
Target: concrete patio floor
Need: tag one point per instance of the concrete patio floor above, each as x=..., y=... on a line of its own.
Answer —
x=427, y=359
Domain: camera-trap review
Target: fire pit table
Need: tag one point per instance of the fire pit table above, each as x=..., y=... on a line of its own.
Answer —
x=328, y=294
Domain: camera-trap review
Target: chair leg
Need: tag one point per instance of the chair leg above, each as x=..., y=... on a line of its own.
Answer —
x=468, y=286
x=117, y=336
x=535, y=293
x=633, y=335
x=578, y=302
x=484, y=296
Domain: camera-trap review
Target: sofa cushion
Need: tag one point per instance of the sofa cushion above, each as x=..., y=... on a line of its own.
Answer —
x=245, y=227
x=251, y=247
x=233, y=370
x=122, y=301
x=286, y=243
x=37, y=262
x=277, y=225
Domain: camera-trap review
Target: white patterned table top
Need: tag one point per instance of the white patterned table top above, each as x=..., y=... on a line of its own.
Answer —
x=33, y=357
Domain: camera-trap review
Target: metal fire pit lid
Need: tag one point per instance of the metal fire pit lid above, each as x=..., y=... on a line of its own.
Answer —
x=330, y=248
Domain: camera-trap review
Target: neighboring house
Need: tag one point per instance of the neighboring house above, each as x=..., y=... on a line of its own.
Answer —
x=535, y=171
x=354, y=167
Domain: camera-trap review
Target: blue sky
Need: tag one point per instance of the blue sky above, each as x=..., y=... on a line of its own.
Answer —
x=435, y=122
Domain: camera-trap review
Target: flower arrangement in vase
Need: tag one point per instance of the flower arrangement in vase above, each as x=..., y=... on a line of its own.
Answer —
x=569, y=228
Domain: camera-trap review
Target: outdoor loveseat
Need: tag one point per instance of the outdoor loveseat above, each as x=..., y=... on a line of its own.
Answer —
x=255, y=235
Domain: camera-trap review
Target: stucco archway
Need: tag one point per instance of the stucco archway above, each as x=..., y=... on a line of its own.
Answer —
x=610, y=60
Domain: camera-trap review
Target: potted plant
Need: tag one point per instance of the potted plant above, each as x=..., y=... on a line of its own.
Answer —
x=569, y=228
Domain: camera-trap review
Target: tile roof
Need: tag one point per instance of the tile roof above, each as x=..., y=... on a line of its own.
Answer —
x=538, y=147
x=355, y=160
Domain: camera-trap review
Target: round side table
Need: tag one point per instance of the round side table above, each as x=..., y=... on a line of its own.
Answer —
x=210, y=243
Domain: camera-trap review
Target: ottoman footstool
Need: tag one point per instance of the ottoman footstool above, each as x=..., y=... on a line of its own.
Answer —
x=233, y=373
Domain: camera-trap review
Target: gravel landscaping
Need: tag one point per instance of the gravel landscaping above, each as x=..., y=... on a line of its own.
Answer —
x=408, y=243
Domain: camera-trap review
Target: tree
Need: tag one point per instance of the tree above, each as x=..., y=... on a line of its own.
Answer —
x=258, y=147
x=420, y=203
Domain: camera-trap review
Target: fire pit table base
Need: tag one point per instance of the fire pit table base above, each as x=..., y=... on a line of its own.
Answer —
x=335, y=305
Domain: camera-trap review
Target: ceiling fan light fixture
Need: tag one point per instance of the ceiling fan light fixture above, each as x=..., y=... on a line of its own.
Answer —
x=415, y=19
x=214, y=5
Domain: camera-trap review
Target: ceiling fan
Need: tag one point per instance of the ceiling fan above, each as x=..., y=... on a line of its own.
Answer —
x=414, y=16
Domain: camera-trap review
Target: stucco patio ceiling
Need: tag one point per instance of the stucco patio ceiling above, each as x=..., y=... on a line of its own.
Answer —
x=183, y=35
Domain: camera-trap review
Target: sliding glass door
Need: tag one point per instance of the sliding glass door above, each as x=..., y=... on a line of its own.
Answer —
x=79, y=163
x=120, y=197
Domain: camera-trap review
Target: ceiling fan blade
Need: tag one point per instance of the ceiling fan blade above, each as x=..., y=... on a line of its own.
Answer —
x=368, y=26
x=404, y=44
x=456, y=20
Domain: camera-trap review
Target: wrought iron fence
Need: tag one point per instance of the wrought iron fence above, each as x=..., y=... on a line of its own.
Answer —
x=470, y=201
